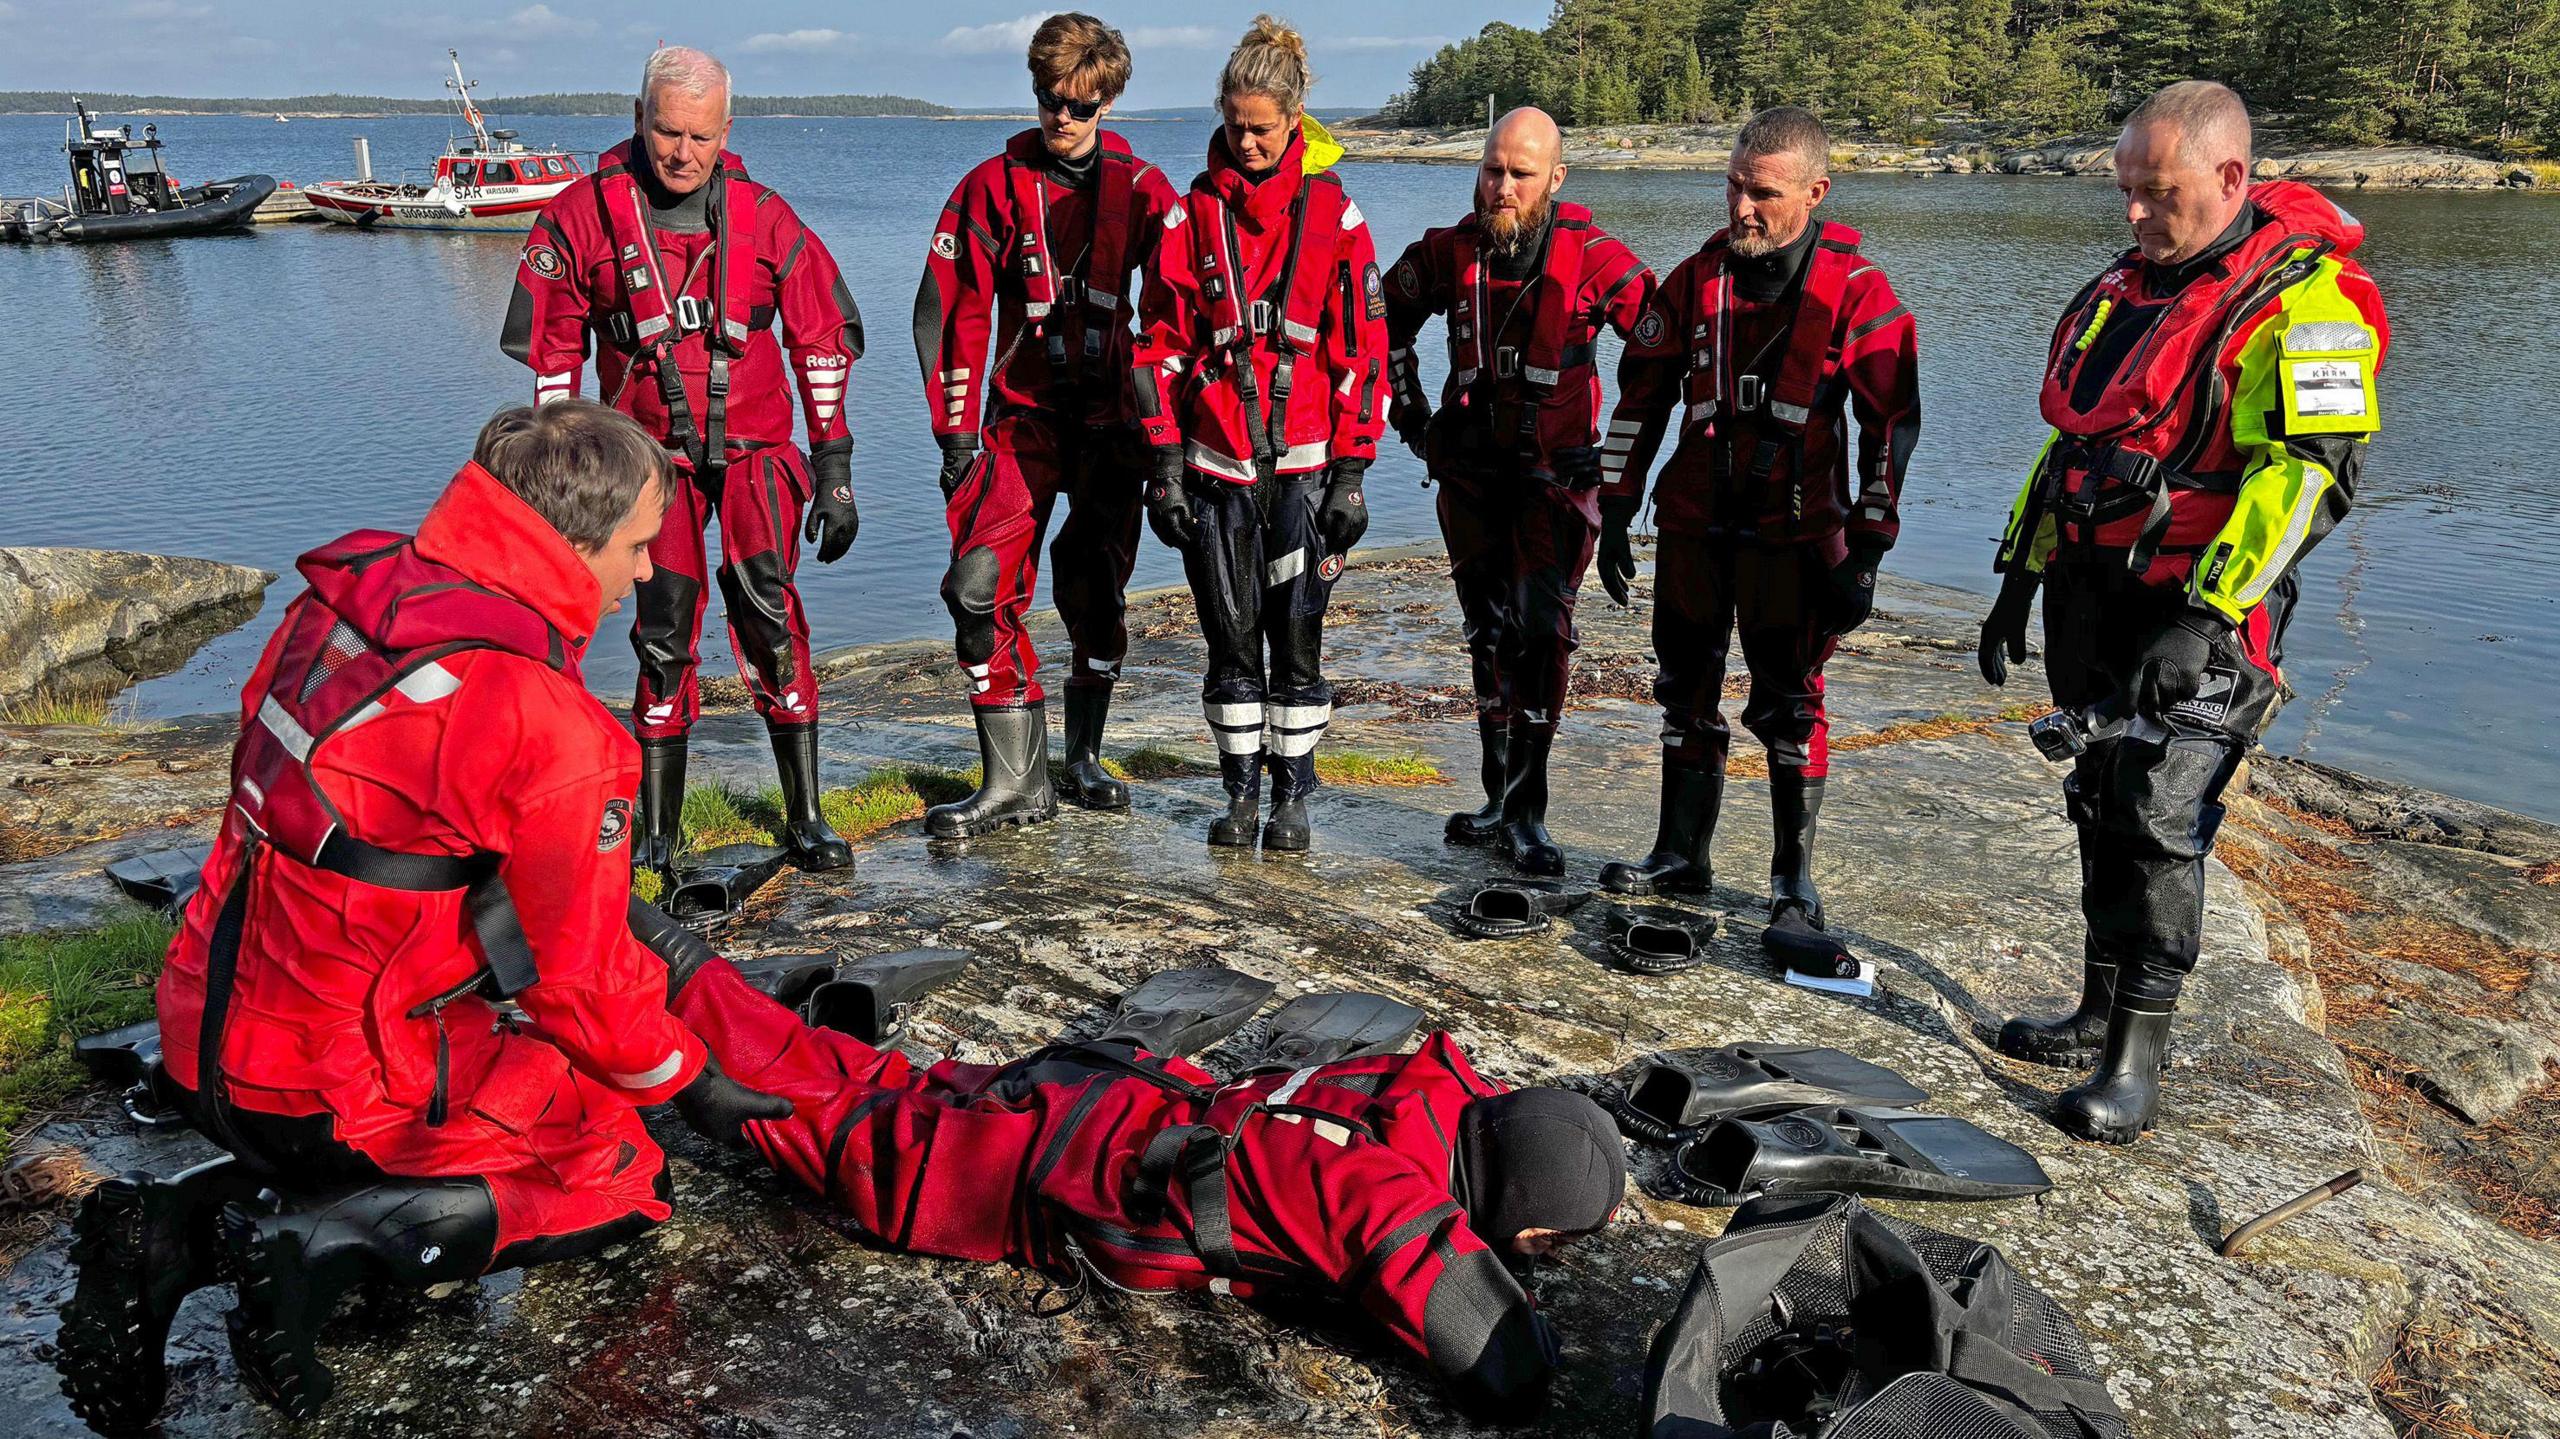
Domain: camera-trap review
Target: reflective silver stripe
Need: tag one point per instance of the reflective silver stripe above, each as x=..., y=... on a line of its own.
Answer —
x=1239, y=741
x=1223, y=336
x=1612, y=465
x=1230, y=716
x=1200, y=457
x=1036, y=309
x=1303, y=334
x=1537, y=376
x=1702, y=411
x=737, y=330
x=1349, y=378
x=2296, y=526
x=285, y=728
x=651, y=1079
x=1297, y=716
x=650, y=328
x=2327, y=335
x=1300, y=458
x=1463, y=378
x=1351, y=216
x=1626, y=426
x=826, y=413
x=1286, y=568
x=1173, y=364
x=1789, y=414
x=1618, y=444
x=1400, y=357
x=1104, y=299
x=429, y=682
x=1108, y=667
x=1292, y=743
x=959, y=374
x=1289, y=1089
x=1174, y=217
x=250, y=786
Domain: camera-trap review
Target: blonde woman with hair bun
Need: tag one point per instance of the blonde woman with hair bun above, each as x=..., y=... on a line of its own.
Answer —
x=1260, y=381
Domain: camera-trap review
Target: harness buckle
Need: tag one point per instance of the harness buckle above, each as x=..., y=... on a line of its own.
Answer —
x=1069, y=291
x=618, y=328
x=1750, y=393
x=689, y=314
x=1263, y=318
x=1506, y=362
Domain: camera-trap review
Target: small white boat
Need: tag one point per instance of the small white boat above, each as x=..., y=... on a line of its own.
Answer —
x=488, y=182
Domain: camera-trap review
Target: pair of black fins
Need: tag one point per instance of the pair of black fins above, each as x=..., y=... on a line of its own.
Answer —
x=1773, y=1119
x=1174, y=1012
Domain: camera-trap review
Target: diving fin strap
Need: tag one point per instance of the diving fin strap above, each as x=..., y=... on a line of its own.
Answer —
x=1318, y=1029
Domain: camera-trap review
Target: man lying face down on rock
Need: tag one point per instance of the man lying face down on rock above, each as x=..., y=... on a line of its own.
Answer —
x=1403, y=1182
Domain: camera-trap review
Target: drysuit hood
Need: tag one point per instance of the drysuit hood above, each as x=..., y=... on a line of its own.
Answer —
x=1538, y=1159
x=2298, y=207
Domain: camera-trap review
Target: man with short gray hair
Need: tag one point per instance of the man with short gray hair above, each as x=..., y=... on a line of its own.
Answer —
x=679, y=266
x=2210, y=396
x=1763, y=345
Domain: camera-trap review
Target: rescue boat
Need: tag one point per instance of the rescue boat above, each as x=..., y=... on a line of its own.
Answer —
x=120, y=190
x=488, y=182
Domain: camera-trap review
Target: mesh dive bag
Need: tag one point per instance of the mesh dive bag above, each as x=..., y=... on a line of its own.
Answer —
x=1814, y=1317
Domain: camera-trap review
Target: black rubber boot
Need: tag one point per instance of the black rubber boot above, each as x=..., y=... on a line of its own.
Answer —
x=2075, y=1040
x=1089, y=785
x=805, y=834
x=661, y=806
x=1292, y=780
x=1484, y=825
x=140, y=1246
x=292, y=1268
x=1013, y=788
x=1691, y=795
x=2116, y=1104
x=1796, y=936
x=1524, y=804
x=1242, y=823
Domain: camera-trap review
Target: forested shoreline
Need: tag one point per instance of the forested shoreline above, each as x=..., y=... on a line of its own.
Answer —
x=2481, y=75
x=598, y=102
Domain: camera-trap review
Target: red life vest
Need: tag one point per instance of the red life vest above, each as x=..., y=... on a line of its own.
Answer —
x=366, y=638
x=657, y=315
x=1729, y=405
x=1090, y=312
x=1554, y=366
x=2140, y=447
x=1286, y=320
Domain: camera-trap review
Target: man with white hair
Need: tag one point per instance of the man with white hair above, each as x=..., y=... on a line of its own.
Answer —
x=1528, y=283
x=2211, y=396
x=679, y=266
x=1764, y=347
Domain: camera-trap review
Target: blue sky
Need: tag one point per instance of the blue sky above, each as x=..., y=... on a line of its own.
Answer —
x=963, y=52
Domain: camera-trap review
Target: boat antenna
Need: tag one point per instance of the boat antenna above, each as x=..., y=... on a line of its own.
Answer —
x=462, y=93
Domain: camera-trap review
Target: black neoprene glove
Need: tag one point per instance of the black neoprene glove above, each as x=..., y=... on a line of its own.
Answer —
x=1344, y=517
x=832, y=517
x=956, y=461
x=718, y=1107
x=1617, y=558
x=1578, y=468
x=1853, y=586
x=2004, y=631
x=1410, y=415
x=1168, y=504
x=2172, y=665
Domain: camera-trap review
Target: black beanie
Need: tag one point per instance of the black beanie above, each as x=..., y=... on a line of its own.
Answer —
x=1538, y=1159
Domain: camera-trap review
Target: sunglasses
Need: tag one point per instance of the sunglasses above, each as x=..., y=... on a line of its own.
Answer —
x=1057, y=104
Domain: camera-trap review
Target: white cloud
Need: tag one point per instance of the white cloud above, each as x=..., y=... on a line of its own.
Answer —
x=1389, y=42
x=1003, y=35
x=1173, y=37
x=800, y=42
x=535, y=22
x=166, y=10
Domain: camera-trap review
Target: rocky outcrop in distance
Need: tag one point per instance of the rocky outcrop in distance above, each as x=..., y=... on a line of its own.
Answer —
x=87, y=621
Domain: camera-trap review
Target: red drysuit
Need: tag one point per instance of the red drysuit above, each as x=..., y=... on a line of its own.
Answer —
x=487, y=746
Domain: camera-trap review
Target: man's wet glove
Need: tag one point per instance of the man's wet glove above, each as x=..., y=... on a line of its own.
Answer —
x=1853, y=585
x=718, y=1107
x=1168, y=504
x=1409, y=412
x=832, y=517
x=1617, y=549
x=1344, y=517
x=2004, y=632
x=956, y=461
x=2172, y=665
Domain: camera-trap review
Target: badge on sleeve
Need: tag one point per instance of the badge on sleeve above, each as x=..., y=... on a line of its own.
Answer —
x=545, y=262
x=616, y=826
x=1376, y=292
x=2327, y=379
x=946, y=244
x=1649, y=329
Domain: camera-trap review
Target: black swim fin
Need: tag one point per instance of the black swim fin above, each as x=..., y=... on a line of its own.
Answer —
x=1883, y=1153
x=1749, y=1079
x=718, y=881
x=869, y=998
x=789, y=978
x=162, y=879
x=1315, y=1029
x=1184, y=1011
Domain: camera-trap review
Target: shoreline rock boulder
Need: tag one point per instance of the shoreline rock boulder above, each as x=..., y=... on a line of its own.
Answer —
x=89, y=620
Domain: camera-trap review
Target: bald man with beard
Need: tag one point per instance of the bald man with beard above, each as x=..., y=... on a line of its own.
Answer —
x=1527, y=282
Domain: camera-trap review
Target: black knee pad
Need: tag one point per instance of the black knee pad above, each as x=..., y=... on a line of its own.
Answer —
x=662, y=634
x=757, y=594
x=969, y=592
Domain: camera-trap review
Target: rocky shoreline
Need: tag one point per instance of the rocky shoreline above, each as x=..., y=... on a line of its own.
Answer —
x=2377, y=992
x=1708, y=147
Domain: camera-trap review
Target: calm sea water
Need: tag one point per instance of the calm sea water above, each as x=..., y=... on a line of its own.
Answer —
x=245, y=398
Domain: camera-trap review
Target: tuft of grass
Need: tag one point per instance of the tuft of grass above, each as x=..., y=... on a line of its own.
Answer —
x=2546, y=173
x=94, y=708
x=57, y=986
x=1155, y=762
x=891, y=794
x=649, y=885
x=1351, y=766
x=715, y=815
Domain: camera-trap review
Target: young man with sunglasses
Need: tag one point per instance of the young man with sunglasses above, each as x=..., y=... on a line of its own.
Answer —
x=1033, y=261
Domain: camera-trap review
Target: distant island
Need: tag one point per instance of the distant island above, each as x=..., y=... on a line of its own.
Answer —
x=598, y=102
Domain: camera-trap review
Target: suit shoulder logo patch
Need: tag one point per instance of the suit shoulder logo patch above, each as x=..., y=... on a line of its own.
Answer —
x=946, y=244
x=616, y=826
x=1649, y=329
x=545, y=262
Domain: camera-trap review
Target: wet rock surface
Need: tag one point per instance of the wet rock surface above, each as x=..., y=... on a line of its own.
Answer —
x=90, y=620
x=1944, y=857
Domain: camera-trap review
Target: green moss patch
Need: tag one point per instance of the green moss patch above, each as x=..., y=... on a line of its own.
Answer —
x=1351, y=766
x=56, y=987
